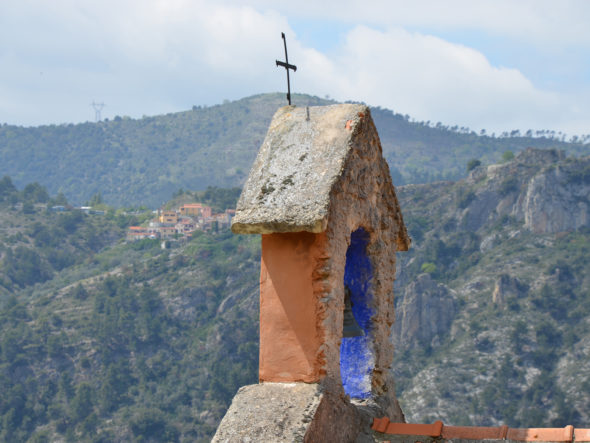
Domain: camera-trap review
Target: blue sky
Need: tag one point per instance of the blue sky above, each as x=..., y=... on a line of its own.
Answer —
x=496, y=65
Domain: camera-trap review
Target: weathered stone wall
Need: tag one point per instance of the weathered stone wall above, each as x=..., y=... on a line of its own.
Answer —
x=288, y=413
x=270, y=412
x=363, y=197
x=321, y=171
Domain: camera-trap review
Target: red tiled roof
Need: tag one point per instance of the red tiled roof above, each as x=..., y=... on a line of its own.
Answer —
x=542, y=434
x=438, y=430
x=475, y=433
x=582, y=434
x=383, y=425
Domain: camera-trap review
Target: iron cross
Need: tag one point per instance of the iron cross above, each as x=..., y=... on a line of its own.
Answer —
x=287, y=66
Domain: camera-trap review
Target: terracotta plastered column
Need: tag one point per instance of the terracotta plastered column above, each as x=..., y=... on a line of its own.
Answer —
x=290, y=333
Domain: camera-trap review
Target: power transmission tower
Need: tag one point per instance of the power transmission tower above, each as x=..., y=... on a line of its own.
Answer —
x=97, y=108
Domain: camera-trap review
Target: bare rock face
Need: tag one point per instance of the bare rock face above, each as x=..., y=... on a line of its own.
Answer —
x=507, y=286
x=541, y=188
x=557, y=199
x=425, y=314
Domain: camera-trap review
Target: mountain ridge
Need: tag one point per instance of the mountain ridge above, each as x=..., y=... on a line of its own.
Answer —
x=143, y=161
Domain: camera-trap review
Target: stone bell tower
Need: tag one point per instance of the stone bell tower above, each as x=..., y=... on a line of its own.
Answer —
x=320, y=194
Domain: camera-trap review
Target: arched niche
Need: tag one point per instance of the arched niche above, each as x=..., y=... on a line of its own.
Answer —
x=357, y=356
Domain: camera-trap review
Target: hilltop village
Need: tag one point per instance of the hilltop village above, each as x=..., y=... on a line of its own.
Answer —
x=181, y=222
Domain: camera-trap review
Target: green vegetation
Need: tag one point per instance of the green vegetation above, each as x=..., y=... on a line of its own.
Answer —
x=101, y=340
x=507, y=156
x=429, y=268
x=144, y=343
x=142, y=162
x=39, y=242
x=472, y=164
x=514, y=354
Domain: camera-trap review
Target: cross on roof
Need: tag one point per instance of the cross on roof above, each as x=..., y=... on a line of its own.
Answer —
x=287, y=66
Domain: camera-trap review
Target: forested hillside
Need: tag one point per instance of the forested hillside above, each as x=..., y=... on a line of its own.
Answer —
x=143, y=161
x=492, y=313
x=101, y=340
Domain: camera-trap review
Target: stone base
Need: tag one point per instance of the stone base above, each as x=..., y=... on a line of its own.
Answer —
x=288, y=412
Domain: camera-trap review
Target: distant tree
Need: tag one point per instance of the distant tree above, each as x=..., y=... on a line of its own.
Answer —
x=82, y=403
x=151, y=423
x=114, y=385
x=55, y=346
x=79, y=292
x=25, y=267
x=65, y=387
x=472, y=164
x=178, y=193
x=41, y=437
x=507, y=156
x=70, y=222
x=6, y=187
x=96, y=200
x=35, y=193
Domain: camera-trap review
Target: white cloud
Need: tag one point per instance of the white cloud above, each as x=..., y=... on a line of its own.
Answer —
x=431, y=79
x=540, y=21
x=156, y=56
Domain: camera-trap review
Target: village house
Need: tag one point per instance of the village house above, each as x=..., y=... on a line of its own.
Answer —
x=167, y=232
x=135, y=233
x=185, y=225
x=168, y=217
x=182, y=222
x=195, y=210
x=223, y=219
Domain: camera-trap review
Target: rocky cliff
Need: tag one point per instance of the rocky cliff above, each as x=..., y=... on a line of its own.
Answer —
x=542, y=188
x=496, y=332
x=424, y=315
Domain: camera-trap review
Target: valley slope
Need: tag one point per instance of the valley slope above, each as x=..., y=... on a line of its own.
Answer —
x=492, y=314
